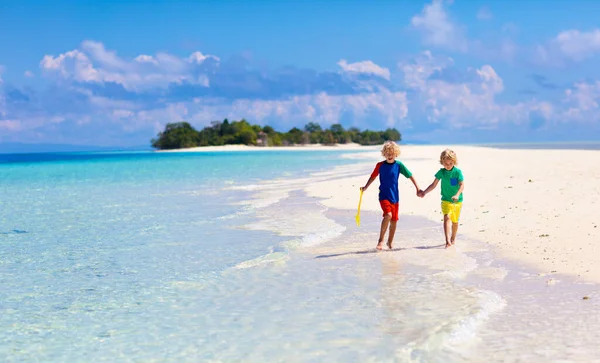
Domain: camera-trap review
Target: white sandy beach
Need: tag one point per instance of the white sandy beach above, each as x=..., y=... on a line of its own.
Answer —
x=534, y=206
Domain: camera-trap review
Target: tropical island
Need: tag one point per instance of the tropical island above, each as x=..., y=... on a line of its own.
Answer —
x=182, y=135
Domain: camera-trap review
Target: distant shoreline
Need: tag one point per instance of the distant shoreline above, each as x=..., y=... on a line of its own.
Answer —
x=582, y=145
x=349, y=146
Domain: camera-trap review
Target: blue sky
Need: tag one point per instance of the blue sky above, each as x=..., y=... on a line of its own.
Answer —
x=113, y=73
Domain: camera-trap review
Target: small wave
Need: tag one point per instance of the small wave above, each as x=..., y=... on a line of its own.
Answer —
x=265, y=199
x=249, y=187
x=310, y=227
x=291, y=244
x=237, y=214
x=270, y=258
x=489, y=303
x=188, y=285
x=277, y=255
x=251, y=205
x=455, y=267
x=263, y=203
x=455, y=334
x=318, y=238
x=494, y=273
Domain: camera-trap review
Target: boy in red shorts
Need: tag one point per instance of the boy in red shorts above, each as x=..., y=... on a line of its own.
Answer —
x=389, y=171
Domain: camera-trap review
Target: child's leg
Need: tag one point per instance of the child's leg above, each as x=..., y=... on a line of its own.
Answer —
x=384, y=225
x=391, y=234
x=454, y=217
x=454, y=230
x=393, y=222
x=447, y=230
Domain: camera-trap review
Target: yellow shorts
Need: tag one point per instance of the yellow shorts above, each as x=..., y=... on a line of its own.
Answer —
x=452, y=210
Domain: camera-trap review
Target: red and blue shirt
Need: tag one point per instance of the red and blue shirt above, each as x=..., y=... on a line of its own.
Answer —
x=388, y=179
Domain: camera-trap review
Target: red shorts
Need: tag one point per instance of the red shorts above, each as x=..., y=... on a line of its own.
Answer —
x=389, y=207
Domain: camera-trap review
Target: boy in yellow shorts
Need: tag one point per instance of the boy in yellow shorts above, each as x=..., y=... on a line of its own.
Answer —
x=452, y=188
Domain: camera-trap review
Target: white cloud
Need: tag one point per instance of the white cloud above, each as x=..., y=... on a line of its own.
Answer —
x=582, y=103
x=578, y=45
x=433, y=92
x=469, y=103
x=484, y=13
x=425, y=64
x=10, y=125
x=491, y=81
x=29, y=74
x=568, y=46
x=105, y=58
x=143, y=58
x=365, y=67
x=199, y=58
x=438, y=29
x=368, y=104
x=390, y=107
x=92, y=63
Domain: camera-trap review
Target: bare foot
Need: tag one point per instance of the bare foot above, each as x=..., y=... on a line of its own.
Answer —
x=389, y=244
x=448, y=244
x=452, y=242
x=379, y=246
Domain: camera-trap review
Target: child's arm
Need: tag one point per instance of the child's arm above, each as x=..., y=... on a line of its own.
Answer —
x=371, y=179
x=404, y=171
x=430, y=187
x=460, y=190
x=412, y=179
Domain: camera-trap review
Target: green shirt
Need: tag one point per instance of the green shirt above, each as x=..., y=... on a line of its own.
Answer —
x=450, y=183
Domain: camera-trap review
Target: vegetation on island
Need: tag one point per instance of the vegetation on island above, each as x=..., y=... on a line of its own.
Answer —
x=182, y=135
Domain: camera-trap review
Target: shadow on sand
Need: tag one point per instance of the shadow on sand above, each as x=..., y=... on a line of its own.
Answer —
x=373, y=250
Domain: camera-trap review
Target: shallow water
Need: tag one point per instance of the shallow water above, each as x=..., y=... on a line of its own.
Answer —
x=116, y=260
x=418, y=302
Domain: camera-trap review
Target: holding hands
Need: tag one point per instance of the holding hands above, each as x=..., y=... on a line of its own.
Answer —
x=420, y=192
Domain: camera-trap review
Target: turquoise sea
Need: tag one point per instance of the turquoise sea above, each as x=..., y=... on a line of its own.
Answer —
x=221, y=257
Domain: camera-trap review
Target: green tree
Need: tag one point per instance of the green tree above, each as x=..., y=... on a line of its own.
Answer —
x=225, y=128
x=339, y=134
x=316, y=137
x=353, y=133
x=369, y=137
x=294, y=136
x=392, y=134
x=312, y=127
x=268, y=130
x=244, y=133
x=183, y=135
x=328, y=138
x=176, y=135
x=275, y=140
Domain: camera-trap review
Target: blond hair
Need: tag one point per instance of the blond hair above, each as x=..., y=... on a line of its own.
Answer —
x=448, y=155
x=390, y=148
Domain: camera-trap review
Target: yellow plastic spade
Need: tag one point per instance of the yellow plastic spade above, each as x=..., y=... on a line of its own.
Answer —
x=358, y=212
